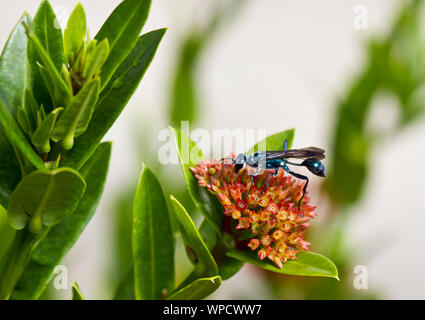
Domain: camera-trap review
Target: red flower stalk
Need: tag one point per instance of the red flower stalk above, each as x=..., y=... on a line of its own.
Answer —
x=273, y=224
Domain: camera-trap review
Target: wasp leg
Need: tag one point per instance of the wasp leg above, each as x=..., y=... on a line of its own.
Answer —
x=218, y=173
x=299, y=176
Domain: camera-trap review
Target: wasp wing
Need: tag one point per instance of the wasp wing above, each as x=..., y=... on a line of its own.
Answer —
x=309, y=152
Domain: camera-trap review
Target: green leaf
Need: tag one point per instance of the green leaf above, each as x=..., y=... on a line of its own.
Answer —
x=274, y=142
x=114, y=97
x=96, y=60
x=41, y=137
x=10, y=172
x=16, y=136
x=153, y=242
x=122, y=29
x=76, y=117
x=228, y=267
x=75, y=31
x=45, y=28
x=14, y=72
x=45, y=196
x=21, y=117
x=60, y=92
x=60, y=239
x=198, y=289
x=14, y=68
x=5, y=194
x=184, y=103
x=125, y=290
x=307, y=264
x=205, y=263
x=76, y=293
x=204, y=201
x=6, y=235
x=31, y=108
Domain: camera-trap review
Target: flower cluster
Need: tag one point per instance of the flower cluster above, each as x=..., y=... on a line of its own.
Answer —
x=269, y=218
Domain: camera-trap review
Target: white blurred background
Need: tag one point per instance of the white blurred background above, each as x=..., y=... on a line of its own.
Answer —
x=277, y=64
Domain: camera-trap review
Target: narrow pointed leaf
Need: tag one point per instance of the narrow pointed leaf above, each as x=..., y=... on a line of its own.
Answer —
x=23, y=121
x=203, y=200
x=198, y=289
x=76, y=117
x=14, y=67
x=122, y=29
x=96, y=59
x=274, y=142
x=14, y=73
x=16, y=136
x=114, y=97
x=51, y=194
x=75, y=31
x=41, y=137
x=62, y=93
x=46, y=29
x=205, y=264
x=61, y=237
x=31, y=108
x=153, y=242
x=76, y=292
x=307, y=264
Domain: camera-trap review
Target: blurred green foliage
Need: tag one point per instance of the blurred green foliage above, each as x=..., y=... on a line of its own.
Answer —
x=395, y=65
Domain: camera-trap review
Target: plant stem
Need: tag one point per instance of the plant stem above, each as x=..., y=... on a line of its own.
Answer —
x=16, y=261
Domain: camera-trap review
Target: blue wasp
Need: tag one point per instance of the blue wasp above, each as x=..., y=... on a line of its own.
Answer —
x=273, y=160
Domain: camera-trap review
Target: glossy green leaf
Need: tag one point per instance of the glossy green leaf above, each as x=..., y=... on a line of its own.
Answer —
x=14, y=67
x=205, y=265
x=198, y=289
x=46, y=29
x=41, y=137
x=75, y=32
x=204, y=201
x=61, y=237
x=31, y=108
x=45, y=196
x=60, y=92
x=96, y=59
x=153, y=241
x=76, y=292
x=274, y=142
x=22, y=119
x=14, y=72
x=16, y=136
x=114, y=97
x=122, y=29
x=307, y=264
x=208, y=234
x=76, y=117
